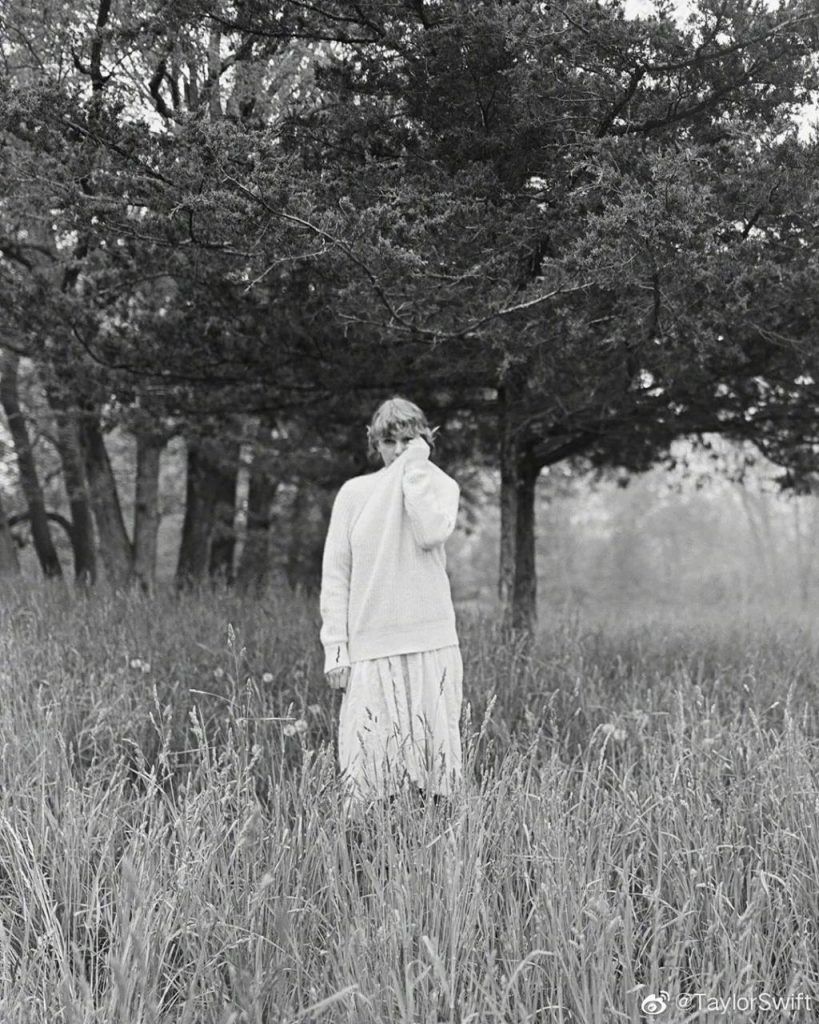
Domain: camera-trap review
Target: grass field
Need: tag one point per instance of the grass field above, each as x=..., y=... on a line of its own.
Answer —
x=639, y=823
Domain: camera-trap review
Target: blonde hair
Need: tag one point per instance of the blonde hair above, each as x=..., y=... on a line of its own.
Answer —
x=394, y=415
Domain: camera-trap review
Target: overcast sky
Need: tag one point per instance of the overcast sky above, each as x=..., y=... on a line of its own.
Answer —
x=634, y=7
x=646, y=6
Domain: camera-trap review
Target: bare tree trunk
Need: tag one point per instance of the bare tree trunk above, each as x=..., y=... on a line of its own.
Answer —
x=82, y=523
x=146, y=507
x=517, y=582
x=82, y=519
x=9, y=563
x=254, y=566
x=29, y=478
x=293, y=566
x=518, y=575
x=194, y=548
x=224, y=477
x=115, y=547
x=209, y=480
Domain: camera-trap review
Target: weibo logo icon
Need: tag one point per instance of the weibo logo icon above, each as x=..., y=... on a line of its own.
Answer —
x=655, y=1004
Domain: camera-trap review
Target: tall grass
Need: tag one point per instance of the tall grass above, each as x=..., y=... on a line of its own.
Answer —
x=640, y=816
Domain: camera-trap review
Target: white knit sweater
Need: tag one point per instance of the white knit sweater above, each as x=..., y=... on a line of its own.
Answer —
x=384, y=587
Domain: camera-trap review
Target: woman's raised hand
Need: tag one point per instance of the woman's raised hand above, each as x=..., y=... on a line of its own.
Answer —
x=337, y=678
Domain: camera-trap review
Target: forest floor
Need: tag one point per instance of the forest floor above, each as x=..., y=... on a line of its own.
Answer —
x=637, y=837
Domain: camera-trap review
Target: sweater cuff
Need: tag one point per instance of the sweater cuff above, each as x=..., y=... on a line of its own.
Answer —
x=417, y=450
x=336, y=656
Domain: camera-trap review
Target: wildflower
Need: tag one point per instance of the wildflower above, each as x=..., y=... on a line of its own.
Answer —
x=619, y=735
x=218, y=673
x=267, y=677
x=146, y=666
x=289, y=730
x=314, y=709
x=301, y=725
x=135, y=663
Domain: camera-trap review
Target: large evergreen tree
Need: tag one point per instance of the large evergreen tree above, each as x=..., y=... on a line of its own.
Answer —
x=596, y=232
x=610, y=220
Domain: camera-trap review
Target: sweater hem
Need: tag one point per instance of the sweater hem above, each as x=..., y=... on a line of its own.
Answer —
x=389, y=643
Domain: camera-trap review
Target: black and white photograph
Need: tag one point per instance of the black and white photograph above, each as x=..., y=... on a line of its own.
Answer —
x=409, y=512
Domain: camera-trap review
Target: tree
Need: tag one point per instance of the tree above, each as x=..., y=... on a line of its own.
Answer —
x=593, y=230
x=102, y=297
x=609, y=213
x=29, y=477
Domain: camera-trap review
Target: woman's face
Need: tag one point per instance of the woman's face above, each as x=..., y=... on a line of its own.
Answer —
x=391, y=446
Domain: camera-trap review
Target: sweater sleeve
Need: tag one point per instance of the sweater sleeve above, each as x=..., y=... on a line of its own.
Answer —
x=432, y=518
x=335, y=585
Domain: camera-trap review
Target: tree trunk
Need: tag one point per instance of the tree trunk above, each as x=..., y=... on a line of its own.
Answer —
x=146, y=508
x=194, y=548
x=29, y=479
x=208, y=483
x=517, y=582
x=9, y=563
x=224, y=474
x=82, y=533
x=254, y=566
x=115, y=547
x=295, y=561
x=518, y=571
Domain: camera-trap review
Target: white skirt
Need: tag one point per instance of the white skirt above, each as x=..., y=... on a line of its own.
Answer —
x=400, y=724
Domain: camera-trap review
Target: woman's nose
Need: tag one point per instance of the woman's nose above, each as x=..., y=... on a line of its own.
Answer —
x=400, y=446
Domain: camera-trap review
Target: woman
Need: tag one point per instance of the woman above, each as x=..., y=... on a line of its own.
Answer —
x=388, y=624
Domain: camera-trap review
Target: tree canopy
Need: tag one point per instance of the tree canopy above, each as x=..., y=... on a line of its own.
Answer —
x=590, y=233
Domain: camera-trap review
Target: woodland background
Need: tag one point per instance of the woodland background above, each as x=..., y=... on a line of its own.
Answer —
x=624, y=546
x=581, y=235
